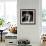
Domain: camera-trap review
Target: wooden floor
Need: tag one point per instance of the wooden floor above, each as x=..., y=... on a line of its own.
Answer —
x=2, y=43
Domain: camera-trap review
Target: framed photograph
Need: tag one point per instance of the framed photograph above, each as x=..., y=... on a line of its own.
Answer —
x=27, y=16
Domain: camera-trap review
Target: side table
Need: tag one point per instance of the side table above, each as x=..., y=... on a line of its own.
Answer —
x=1, y=34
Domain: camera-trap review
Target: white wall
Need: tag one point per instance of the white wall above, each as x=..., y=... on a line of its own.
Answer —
x=31, y=32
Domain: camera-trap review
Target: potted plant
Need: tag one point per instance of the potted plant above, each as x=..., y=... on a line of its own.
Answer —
x=1, y=22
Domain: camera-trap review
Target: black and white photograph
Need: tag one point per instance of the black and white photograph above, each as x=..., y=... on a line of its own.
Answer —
x=27, y=16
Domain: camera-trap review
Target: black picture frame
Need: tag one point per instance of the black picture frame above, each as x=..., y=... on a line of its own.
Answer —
x=27, y=16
